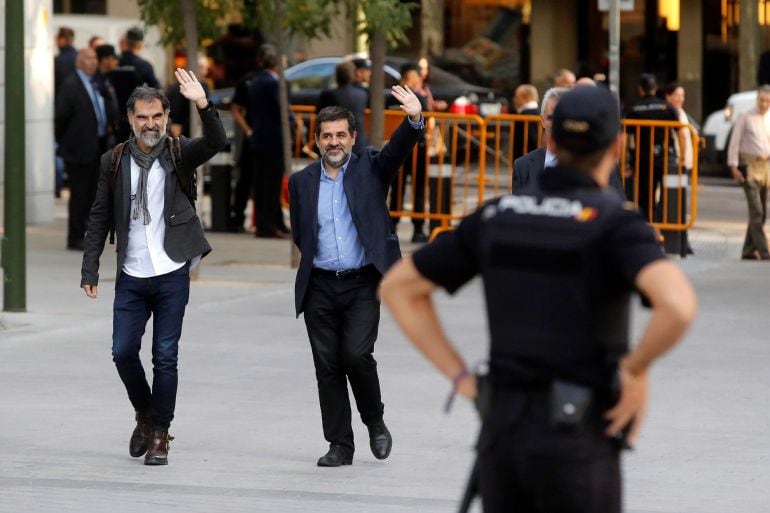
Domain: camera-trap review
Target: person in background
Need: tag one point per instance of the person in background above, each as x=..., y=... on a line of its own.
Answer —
x=363, y=73
x=96, y=41
x=525, y=101
x=412, y=170
x=131, y=45
x=748, y=157
x=64, y=63
x=347, y=95
x=82, y=129
x=674, y=94
x=433, y=104
x=564, y=78
x=180, y=106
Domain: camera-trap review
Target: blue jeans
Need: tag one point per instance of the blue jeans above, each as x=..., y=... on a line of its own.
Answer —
x=165, y=298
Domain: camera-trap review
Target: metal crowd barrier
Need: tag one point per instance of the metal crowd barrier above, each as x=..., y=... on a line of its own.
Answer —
x=655, y=177
x=467, y=160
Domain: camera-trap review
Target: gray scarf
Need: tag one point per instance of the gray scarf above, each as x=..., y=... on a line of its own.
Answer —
x=144, y=161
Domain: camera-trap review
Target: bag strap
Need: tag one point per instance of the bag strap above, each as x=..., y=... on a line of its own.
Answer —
x=188, y=186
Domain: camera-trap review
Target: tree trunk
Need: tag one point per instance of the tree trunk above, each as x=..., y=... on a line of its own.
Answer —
x=748, y=42
x=432, y=27
x=377, y=45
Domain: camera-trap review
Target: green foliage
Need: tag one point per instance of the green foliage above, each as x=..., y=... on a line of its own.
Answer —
x=310, y=18
x=168, y=17
x=391, y=16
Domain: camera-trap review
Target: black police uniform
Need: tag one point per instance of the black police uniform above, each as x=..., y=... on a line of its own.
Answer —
x=558, y=259
x=651, y=107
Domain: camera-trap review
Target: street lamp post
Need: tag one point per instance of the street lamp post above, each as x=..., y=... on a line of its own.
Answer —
x=13, y=248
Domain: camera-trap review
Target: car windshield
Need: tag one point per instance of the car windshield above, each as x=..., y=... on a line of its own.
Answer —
x=313, y=76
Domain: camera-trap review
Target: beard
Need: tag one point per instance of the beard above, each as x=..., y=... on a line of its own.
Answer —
x=335, y=161
x=151, y=137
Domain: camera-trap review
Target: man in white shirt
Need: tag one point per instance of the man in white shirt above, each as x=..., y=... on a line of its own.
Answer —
x=147, y=198
x=750, y=146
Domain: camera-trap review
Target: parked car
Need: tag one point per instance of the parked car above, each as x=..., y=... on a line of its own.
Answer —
x=719, y=125
x=307, y=79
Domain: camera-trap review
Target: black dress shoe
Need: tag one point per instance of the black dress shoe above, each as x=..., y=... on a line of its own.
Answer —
x=336, y=457
x=419, y=238
x=140, y=438
x=380, y=440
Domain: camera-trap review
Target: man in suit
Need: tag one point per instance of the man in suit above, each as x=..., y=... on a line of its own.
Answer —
x=525, y=102
x=130, y=46
x=528, y=167
x=340, y=224
x=82, y=130
x=353, y=98
x=148, y=202
x=266, y=143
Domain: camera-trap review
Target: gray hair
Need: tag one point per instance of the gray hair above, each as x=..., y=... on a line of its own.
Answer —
x=763, y=89
x=553, y=93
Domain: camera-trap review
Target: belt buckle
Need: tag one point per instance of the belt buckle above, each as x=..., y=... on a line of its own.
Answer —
x=339, y=274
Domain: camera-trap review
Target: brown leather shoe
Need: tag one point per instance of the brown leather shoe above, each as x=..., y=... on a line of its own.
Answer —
x=140, y=438
x=157, y=454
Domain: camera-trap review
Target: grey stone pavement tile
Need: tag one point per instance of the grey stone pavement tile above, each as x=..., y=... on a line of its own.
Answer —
x=248, y=425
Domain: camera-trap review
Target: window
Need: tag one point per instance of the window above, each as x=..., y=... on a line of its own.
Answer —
x=80, y=6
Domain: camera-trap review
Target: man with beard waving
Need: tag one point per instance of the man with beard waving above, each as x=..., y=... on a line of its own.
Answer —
x=145, y=194
x=341, y=225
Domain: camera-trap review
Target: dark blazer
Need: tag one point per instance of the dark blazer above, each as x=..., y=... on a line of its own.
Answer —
x=526, y=169
x=75, y=123
x=518, y=136
x=184, y=233
x=63, y=66
x=367, y=180
x=353, y=98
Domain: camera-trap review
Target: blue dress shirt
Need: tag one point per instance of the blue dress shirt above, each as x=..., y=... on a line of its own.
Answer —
x=339, y=246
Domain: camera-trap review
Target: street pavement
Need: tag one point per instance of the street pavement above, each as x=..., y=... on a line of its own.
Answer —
x=248, y=428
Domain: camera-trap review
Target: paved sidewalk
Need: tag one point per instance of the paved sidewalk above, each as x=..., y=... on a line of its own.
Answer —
x=248, y=424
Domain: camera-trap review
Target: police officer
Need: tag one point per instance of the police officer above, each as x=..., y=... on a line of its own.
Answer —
x=559, y=260
x=663, y=153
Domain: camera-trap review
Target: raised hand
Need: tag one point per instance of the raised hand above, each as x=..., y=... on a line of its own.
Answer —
x=191, y=88
x=408, y=100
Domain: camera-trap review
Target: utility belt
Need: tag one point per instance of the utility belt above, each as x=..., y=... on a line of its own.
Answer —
x=567, y=407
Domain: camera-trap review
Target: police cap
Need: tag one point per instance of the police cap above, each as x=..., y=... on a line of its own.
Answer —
x=135, y=34
x=586, y=119
x=103, y=51
x=362, y=63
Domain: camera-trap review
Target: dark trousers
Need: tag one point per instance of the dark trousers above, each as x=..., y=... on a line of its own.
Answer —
x=243, y=187
x=268, y=179
x=165, y=298
x=530, y=466
x=83, y=179
x=342, y=317
x=418, y=187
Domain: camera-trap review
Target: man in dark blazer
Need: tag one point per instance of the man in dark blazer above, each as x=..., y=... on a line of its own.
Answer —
x=347, y=95
x=341, y=225
x=529, y=167
x=149, y=204
x=82, y=131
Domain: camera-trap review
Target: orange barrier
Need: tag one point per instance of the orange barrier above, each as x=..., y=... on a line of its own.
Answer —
x=467, y=159
x=503, y=132
x=653, y=181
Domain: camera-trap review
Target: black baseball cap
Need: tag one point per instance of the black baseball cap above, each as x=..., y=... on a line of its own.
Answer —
x=360, y=63
x=586, y=119
x=103, y=51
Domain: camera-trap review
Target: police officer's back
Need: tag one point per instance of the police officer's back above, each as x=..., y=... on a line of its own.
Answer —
x=559, y=260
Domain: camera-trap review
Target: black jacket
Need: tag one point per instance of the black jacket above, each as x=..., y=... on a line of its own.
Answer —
x=142, y=67
x=75, y=123
x=367, y=180
x=184, y=233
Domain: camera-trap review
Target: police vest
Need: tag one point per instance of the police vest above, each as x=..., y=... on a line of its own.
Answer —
x=553, y=304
